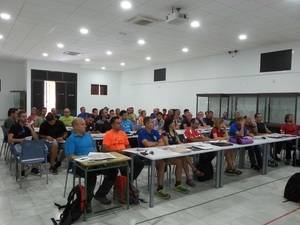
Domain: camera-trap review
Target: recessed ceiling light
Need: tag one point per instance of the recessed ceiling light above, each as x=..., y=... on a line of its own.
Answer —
x=108, y=52
x=122, y=64
x=195, y=24
x=45, y=54
x=87, y=59
x=103, y=68
x=126, y=5
x=243, y=37
x=141, y=42
x=1, y=36
x=5, y=16
x=84, y=30
x=185, y=50
x=148, y=58
x=60, y=45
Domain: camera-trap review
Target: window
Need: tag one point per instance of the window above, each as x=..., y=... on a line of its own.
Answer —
x=214, y=105
x=246, y=105
x=279, y=106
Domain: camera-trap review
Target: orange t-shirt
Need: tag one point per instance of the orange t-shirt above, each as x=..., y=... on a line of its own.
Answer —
x=116, y=141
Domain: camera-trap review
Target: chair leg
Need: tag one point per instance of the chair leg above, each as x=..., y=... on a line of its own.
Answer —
x=46, y=170
x=66, y=183
x=20, y=175
x=17, y=170
x=2, y=145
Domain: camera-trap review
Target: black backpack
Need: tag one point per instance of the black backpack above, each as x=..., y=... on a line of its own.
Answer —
x=74, y=208
x=292, y=188
x=205, y=166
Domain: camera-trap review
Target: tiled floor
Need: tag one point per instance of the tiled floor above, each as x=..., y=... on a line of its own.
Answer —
x=250, y=199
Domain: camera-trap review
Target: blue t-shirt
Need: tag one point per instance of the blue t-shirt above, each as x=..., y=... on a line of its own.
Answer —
x=234, y=129
x=127, y=125
x=153, y=136
x=79, y=145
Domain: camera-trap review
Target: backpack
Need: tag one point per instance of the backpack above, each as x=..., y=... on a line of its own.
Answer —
x=120, y=188
x=292, y=188
x=74, y=208
x=205, y=166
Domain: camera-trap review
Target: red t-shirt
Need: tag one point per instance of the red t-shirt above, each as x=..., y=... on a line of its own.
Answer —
x=190, y=134
x=217, y=132
x=289, y=128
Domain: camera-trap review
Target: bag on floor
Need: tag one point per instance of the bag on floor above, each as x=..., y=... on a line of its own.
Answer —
x=292, y=188
x=74, y=208
x=205, y=166
x=120, y=188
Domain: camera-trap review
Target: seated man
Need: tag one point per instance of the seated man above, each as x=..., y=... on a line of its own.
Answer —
x=54, y=132
x=126, y=124
x=67, y=119
x=81, y=143
x=208, y=120
x=159, y=122
x=83, y=114
x=116, y=140
x=192, y=134
x=12, y=118
x=186, y=122
x=148, y=137
x=19, y=131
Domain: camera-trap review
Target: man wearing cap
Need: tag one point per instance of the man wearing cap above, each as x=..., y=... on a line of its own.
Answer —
x=54, y=132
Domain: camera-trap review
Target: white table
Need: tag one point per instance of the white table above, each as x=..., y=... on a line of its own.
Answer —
x=160, y=154
x=37, y=129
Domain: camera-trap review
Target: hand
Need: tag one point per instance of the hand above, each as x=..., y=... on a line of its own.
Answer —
x=59, y=139
x=50, y=138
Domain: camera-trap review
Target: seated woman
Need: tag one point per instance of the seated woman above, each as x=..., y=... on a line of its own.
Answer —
x=288, y=128
x=237, y=129
x=170, y=137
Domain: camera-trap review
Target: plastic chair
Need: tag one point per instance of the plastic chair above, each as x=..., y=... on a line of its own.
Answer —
x=4, y=145
x=30, y=152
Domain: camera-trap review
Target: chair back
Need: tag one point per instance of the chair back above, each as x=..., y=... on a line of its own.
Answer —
x=4, y=133
x=33, y=150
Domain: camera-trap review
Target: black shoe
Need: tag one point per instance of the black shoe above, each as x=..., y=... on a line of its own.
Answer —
x=277, y=159
x=35, y=171
x=23, y=173
x=53, y=170
x=272, y=163
x=89, y=208
x=103, y=200
x=255, y=167
x=57, y=164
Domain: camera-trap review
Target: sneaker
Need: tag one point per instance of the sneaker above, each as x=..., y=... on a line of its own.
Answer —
x=163, y=195
x=181, y=189
x=103, y=200
x=35, y=171
x=272, y=163
x=190, y=183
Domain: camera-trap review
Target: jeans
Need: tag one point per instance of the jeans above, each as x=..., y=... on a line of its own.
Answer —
x=110, y=176
x=138, y=165
x=288, y=148
x=255, y=155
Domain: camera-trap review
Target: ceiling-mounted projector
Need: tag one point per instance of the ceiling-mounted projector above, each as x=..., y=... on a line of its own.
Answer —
x=176, y=17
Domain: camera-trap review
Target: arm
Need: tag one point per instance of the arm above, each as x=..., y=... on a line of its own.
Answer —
x=12, y=140
x=33, y=134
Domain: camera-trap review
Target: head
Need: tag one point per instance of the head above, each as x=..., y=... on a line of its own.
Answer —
x=159, y=116
x=124, y=115
x=50, y=118
x=115, y=123
x=189, y=116
x=12, y=113
x=164, y=111
x=219, y=123
x=225, y=114
x=169, y=125
x=67, y=112
x=237, y=115
x=118, y=111
x=186, y=111
x=43, y=111
x=95, y=112
x=195, y=123
x=53, y=111
x=34, y=111
x=111, y=113
x=143, y=113
x=103, y=113
x=258, y=117
x=148, y=123
x=200, y=115
x=82, y=109
x=22, y=117
x=240, y=121
x=289, y=118
x=210, y=114
x=170, y=112
x=79, y=125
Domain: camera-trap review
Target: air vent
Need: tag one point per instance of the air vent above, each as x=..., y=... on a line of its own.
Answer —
x=71, y=53
x=143, y=20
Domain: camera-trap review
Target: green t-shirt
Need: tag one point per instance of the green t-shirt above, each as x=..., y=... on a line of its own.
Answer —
x=67, y=120
x=39, y=121
x=8, y=123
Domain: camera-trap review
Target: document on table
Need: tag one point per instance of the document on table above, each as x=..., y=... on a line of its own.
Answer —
x=177, y=148
x=201, y=146
x=96, y=156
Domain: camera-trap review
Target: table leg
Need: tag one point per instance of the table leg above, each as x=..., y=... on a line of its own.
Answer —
x=131, y=170
x=74, y=173
x=219, y=169
x=85, y=193
x=127, y=185
x=266, y=152
x=151, y=197
x=242, y=153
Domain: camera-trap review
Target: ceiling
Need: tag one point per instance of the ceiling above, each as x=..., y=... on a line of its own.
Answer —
x=37, y=25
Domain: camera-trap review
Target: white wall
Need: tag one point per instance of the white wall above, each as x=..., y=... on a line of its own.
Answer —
x=12, y=75
x=213, y=74
x=85, y=79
